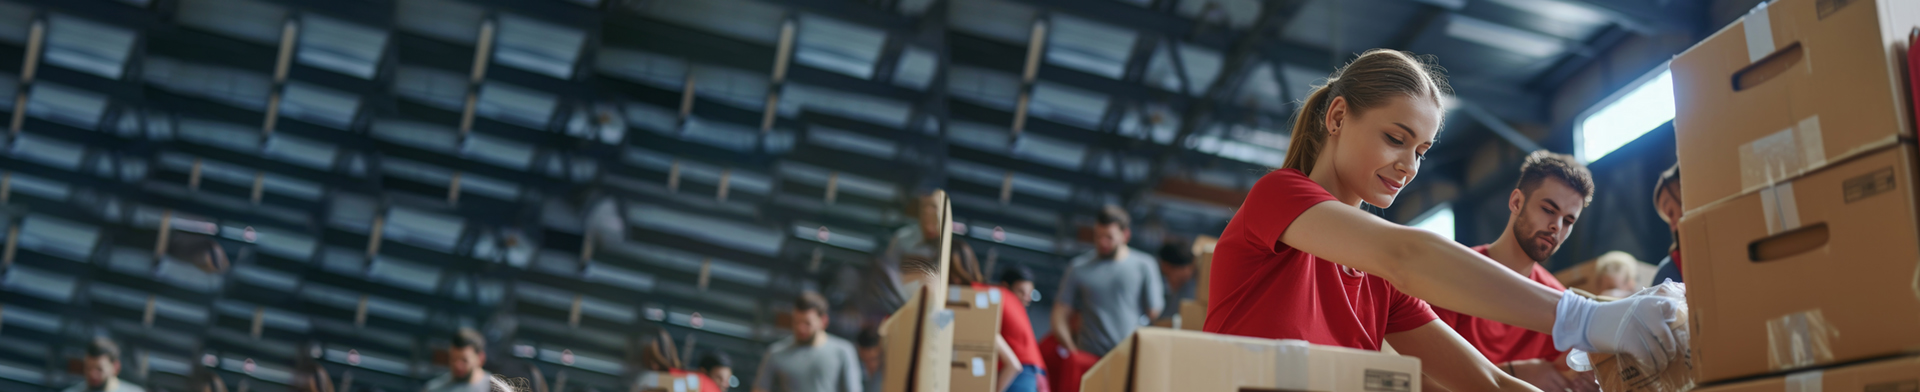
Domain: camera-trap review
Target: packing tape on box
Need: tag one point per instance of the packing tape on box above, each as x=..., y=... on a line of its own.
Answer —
x=1782, y=154
x=1777, y=205
x=1813, y=150
x=1799, y=340
x=1759, y=29
x=1809, y=381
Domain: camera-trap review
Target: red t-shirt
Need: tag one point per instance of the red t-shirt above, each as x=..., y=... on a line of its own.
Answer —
x=1503, y=343
x=1266, y=289
x=706, y=383
x=1017, y=329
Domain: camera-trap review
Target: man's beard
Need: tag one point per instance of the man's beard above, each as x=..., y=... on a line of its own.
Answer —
x=1530, y=244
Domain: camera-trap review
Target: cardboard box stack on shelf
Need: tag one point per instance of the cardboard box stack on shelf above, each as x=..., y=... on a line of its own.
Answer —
x=1801, y=240
x=1167, y=360
x=917, y=340
x=976, y=325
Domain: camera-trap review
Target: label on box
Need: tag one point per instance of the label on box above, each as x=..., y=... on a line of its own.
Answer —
x=1388, y=381
x=1828, y=7
x=1877, y=182
x=980, y=300
x=979, y=367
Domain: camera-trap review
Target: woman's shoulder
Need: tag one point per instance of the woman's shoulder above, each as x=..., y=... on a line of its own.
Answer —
x=1287, y=183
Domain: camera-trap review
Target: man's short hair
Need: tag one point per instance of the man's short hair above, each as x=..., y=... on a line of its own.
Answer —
x=469, y=338
x=810, y=301
x=1669, y=182
x=103, y=347
x=1114, y=215
x=1015, y=274
x=1176, y=253
x=868, y=338
x=1543, y=164
x=713, y=360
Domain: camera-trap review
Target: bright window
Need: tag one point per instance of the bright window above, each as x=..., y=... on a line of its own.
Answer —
x=1642, y=108
x=1439, y=220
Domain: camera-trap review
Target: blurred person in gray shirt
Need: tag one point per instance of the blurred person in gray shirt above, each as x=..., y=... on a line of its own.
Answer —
x=811, y=360
x=1112, y=290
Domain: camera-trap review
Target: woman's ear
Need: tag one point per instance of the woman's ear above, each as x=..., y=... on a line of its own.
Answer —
x=1336, y=115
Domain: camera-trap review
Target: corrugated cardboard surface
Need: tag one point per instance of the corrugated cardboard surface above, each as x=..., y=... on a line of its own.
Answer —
x=917, y=344
x=1892, y=375
x=976, y=324
x=1164, y=360
x=1841, y=94
x=1850, y=293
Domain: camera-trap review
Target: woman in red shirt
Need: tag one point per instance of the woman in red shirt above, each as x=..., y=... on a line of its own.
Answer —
x=1349, y=278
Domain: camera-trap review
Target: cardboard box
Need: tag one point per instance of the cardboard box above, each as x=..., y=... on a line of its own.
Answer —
x=1892, y=375
x=1818, y=270
x=1164, y=360
x=1203, y=265
x=1791, y=86
x=1193, y=315
x=917, y=340
x=976, y=329
x=917, y=345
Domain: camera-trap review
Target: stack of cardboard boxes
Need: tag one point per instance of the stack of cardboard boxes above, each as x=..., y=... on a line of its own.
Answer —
x=1801, y=241
x=976, y=325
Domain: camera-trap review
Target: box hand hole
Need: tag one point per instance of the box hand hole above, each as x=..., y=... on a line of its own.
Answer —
x=1768, y=67
x=1792, y=242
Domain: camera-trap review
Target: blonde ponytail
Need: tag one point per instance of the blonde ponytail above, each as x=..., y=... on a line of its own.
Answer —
x=1366, y=83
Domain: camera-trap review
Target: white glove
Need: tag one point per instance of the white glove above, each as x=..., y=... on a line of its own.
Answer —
x=1638, y=327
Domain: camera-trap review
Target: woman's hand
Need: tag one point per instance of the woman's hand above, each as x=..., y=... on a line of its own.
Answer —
x=1639, y=327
